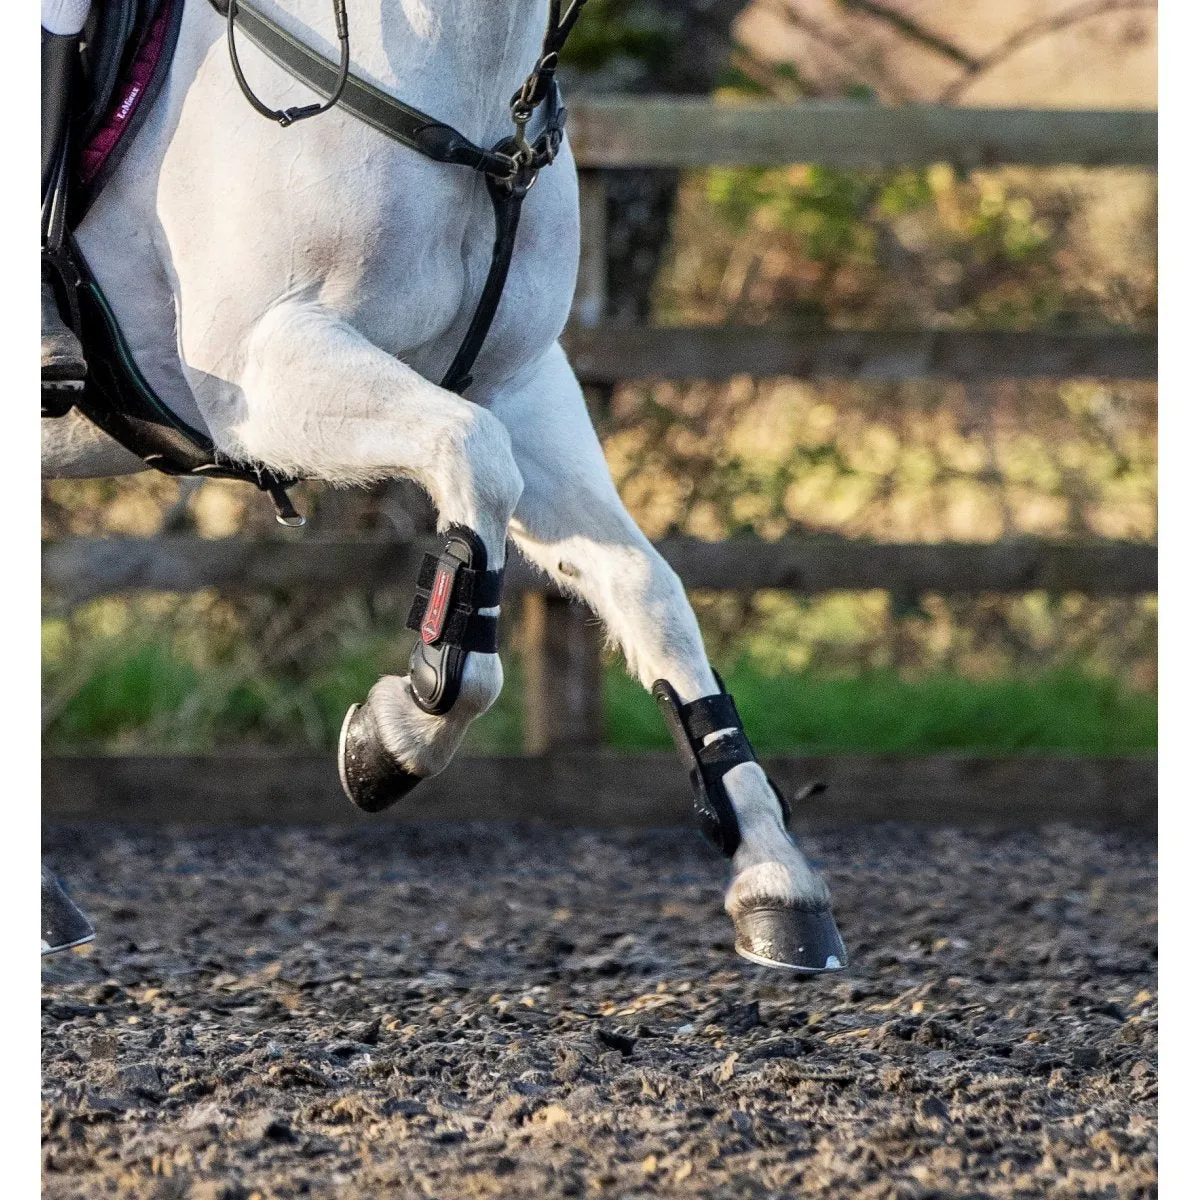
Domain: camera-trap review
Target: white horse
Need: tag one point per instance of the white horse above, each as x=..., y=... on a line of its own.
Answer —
x=294, y=291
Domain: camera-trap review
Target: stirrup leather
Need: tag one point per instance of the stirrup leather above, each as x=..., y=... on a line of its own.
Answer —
x=451, y=589
x=709, y=763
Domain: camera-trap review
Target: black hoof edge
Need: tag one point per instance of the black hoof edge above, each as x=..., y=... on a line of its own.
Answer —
x=793, y=938
x=63, y=924
x=371, y=778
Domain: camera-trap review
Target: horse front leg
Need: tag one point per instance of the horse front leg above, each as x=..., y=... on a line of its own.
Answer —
x=571, y=522
x=320, y=401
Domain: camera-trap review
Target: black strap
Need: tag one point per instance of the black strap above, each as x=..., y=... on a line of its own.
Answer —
x=482, y=588
x=464, y=625
x=708, y=714
x=382, y=111
x=506, y=205
x=119, y=401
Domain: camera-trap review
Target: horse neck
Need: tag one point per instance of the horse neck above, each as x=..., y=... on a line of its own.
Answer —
x=458, y=60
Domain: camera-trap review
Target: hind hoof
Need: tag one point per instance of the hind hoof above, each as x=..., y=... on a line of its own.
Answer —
x=793, y=939
x=371, y=778
x=63, y=923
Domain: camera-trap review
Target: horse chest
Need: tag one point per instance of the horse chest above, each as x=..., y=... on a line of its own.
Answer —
x=426, y=254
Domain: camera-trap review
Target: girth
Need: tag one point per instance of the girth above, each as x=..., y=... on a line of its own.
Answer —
x=119, y=400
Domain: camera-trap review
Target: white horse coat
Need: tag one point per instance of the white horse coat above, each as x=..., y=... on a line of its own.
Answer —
x=293, y=291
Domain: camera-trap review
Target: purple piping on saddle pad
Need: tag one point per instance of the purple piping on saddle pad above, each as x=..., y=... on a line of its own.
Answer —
x=127, y=98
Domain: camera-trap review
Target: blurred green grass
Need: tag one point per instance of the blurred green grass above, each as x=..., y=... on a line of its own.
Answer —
x=880, y=712
x=144, y=696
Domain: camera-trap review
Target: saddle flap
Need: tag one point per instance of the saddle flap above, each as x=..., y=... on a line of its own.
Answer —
x=108, y=38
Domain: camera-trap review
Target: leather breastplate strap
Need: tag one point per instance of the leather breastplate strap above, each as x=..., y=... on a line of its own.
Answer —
x=511, y=166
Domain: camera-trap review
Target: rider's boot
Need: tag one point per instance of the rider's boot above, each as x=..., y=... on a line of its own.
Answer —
x=63, y=365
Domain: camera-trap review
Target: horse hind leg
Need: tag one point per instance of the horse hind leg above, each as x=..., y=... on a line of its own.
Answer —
x=571, y=522
x=323, y=402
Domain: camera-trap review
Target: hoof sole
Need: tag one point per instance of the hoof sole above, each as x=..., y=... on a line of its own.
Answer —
x=371, y=778
x=792, y=939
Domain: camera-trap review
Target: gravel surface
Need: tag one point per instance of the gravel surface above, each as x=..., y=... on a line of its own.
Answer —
x=476, y=1011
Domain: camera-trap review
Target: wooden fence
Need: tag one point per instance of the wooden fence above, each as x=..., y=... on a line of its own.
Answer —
x=622, y=133
x=561, y=654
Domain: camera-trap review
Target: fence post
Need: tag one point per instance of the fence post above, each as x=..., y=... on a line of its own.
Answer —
x=560, y=643
x=562, y=674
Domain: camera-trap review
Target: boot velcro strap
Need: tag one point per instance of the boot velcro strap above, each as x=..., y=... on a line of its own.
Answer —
x=482, y=588
x=455, y=619
x=708, y=714
x=463, y=627
x=724, y=754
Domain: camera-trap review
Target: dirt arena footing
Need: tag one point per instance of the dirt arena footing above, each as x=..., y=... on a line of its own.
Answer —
x=499, y=1010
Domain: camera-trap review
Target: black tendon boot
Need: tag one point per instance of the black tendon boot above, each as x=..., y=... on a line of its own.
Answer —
x=63, y=365
x=711, y=741
x=452, y=588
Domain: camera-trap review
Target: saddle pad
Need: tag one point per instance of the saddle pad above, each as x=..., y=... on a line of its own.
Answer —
x=132, y=98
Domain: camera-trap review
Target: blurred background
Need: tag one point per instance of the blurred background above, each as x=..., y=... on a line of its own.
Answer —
x=943, y=654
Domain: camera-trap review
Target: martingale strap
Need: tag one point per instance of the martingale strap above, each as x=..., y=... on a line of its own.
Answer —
x=445, y=609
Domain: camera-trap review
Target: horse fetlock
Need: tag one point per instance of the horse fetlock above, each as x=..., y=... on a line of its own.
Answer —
x=389, y=743
x=778, y=904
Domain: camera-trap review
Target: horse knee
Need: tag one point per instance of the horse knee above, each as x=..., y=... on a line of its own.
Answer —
x=477, y=480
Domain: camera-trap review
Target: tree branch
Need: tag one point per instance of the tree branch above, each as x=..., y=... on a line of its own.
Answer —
x=912, y=30
x=1031, y=33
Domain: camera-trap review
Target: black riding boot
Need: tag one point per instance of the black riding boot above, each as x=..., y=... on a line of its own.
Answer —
x=63, y=365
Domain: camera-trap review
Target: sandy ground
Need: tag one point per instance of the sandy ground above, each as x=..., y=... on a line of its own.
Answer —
x=475, y=1011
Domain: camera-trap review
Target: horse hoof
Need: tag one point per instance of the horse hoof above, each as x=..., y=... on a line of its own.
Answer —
x=63, y=924
x=794, y=939
x=371, y=778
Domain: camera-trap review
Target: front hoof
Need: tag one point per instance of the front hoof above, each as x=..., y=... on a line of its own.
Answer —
x=371, y=778
x=794, y=939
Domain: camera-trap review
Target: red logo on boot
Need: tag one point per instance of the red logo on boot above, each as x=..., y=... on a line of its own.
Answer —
x=439, y=600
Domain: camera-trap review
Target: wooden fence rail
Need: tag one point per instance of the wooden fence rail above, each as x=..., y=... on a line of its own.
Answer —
x=688, y=133
x=672, y=131
x=83, y=568
x=611, y=354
